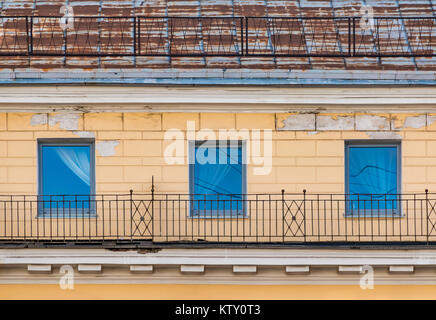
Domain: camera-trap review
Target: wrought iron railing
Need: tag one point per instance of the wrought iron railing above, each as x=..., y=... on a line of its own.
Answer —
x=282, y=218
x=218, y=36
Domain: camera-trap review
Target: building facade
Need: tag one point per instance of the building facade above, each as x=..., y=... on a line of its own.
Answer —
x=142, y=158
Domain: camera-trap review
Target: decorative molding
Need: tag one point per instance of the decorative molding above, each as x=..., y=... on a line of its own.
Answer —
x=39, y=268
x=89, y=268
x=350, y=269
x=401, y=269
x=45, y=98
x=191, y=268
x=221, y=257
x=217, y=76
x=222, y=275
x=244, y=269
x=141, y=269
x=224, y=266
x=297, y=269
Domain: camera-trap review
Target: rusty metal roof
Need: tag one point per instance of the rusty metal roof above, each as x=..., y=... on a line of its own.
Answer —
x=229, y=8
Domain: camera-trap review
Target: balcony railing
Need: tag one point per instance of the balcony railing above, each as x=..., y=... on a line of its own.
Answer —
x=249, y=219
x=218, y=36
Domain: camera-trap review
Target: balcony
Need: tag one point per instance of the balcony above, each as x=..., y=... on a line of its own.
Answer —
x=282, y=219
x=217, y=36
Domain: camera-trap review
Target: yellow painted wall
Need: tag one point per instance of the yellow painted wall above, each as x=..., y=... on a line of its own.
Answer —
x=302, y=159
x=218, y=292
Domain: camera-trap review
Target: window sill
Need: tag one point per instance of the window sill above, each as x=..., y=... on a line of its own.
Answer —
x=72, y=215
x=94, y=217
x=373, y=216
x=227, y=217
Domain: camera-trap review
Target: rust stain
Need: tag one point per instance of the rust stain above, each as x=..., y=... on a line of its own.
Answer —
x=115, y=37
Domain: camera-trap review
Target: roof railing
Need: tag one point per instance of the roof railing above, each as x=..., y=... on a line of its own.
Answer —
x=142, y=36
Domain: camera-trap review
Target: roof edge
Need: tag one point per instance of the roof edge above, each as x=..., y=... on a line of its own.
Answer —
x=217, y=77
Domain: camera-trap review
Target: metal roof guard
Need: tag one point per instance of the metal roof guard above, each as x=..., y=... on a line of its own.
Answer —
x=94, y=36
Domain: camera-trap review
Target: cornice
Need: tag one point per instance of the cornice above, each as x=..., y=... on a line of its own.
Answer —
x=98, y=98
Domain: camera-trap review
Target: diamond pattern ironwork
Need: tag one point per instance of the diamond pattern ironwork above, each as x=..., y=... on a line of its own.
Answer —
x=431, y=217
x=293, y=218
x=142, y=218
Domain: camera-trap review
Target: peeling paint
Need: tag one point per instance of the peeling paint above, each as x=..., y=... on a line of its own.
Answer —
x=372, y=122
x=430, y=119
x=298, y=122
x=407, y=121
x=38, y=119
x=67, y=121
x=84, y=134
x=334, y=122
x=384, y=135
x=415, y=122
x=352, y=121
x=107, y=148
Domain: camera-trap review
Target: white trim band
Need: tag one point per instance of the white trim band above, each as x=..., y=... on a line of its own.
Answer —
x=40, y=98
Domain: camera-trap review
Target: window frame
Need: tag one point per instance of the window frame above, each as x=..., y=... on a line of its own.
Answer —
x=67, y=212
x=192, y=162
x=379, y=213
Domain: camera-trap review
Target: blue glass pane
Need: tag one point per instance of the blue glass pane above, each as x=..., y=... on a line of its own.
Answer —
x=66, y=178
x=373, y=178
x=217, y=180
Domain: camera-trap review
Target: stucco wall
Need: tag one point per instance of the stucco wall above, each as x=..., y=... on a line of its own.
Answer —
x=308, y=153
x=216, y=292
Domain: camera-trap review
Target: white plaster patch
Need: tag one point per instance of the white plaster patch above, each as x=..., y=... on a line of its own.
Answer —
x=67, y=121
x=334, y=123
x=107, y=148
x=299, y=122
x=38, y=119
x=372, y=122
x=384, y=135
x=415, y=122
x=430, y=120
x=84, y=134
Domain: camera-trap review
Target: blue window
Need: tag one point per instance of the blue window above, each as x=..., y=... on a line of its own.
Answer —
x=373, y=178
x=217, y=178
x=66, y=178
